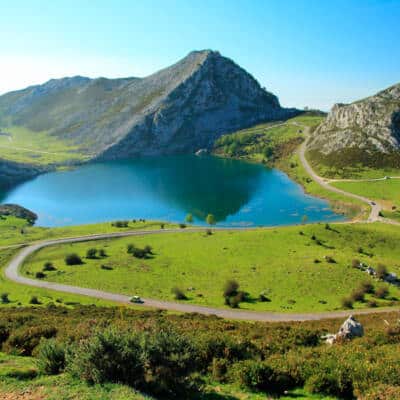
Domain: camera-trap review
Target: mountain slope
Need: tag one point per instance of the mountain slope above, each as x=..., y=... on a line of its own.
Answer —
x=371, y=124
x=179, y=109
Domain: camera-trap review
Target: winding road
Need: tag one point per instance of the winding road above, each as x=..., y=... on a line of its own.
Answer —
x=12, y=270
x=12, y=273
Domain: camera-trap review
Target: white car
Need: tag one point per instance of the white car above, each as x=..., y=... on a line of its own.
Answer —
x=136, y=299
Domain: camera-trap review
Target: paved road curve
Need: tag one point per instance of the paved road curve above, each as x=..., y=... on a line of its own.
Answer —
x=12, y=273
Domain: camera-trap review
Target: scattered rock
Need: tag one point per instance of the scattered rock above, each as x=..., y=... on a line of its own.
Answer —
x=350, y=329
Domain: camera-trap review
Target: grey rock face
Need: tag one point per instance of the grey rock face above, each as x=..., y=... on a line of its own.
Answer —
x=179, y=109
x=371, y=124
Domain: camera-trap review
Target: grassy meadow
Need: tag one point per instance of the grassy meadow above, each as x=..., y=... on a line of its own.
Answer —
x=299, y=268
x=22, y=145
x=386, y=192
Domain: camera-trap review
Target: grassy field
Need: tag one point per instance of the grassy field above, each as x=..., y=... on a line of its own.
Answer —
x=17, y=231
x=386, y=192
x=39, y=148
x=288, y=264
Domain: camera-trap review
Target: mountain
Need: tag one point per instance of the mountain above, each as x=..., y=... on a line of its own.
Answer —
x=368, y=129
x=176, y=110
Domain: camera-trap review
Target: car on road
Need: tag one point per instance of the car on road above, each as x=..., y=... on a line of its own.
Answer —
x=136, y=299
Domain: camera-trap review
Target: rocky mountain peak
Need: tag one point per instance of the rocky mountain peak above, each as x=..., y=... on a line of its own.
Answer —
x=371, y=124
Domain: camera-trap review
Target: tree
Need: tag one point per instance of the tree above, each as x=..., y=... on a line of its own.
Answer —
x=189, y=218
x=210, y=219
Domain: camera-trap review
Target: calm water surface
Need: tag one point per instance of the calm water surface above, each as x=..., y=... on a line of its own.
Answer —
x=167, y=188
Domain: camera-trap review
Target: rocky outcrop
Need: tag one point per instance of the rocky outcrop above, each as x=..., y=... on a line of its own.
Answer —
x=179, y=109
x=371, y=124
x=12, y=172
x=350, y=329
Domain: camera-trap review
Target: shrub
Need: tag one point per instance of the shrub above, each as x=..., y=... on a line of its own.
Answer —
x=381, y=292
x=34, y=300
x=120, y=224
x=24, y=340
x=139, y=253
x=381, y=271
x=355, y=263
x=182, y=226
x=4, y=333
x=219, y=369
x=73, y=259
x=48, y=266
x=367, y=287
x=331, y=383
x=372, y=304
x=102, y=253
x=91, y=253
x=108, y=356
x=263, y=297
x=4, y=298
x=178, y=294
x=208, y=232
x=106, y=267
x=257, y=375
x=231, y=288
x=50, y=357
x=330, y=260
x=40, y=275
x=347, y=302
x=162, y=226
x=358, y=295
x=189, y=218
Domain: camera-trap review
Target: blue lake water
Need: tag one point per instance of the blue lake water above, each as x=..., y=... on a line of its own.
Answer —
x=167, y=188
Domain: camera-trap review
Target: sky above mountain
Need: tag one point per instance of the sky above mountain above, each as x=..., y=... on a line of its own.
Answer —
x=309, y=53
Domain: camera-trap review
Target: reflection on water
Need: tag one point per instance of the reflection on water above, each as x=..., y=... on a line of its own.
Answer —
x=167, y=188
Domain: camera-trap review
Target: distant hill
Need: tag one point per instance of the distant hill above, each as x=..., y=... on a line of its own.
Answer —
x=366, y=131
x=177, y=110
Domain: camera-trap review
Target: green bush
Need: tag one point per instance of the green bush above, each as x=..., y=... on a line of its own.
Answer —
x=258, y=375
x=331, y=383
x=50, y=356
x=40, y=275
x=48, y=266
x=381, y=292
x=219, y=369
x=24, y=340
x=91, y=253
x=73, y=259
x=347, y=302
x=4, y=298
x=34, y=300
x=178, y=293
x=108, y=356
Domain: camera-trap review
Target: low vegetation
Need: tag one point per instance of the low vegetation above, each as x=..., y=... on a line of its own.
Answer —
x=156, y=354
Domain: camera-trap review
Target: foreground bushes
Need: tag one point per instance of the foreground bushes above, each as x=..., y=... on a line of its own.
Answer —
x=162, y=354
x=158, y=362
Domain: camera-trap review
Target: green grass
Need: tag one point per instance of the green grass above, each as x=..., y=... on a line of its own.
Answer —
x=278, y=261
x=265, y=142
x=10, y=235
x=17, y=231
x=38, y=148
x=386, y=191
x=20, y=295
x=352, y=208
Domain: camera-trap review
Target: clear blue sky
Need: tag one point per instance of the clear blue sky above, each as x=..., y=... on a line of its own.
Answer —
x=309, y=53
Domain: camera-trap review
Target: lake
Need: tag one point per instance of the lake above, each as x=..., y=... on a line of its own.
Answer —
x=167, y=188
